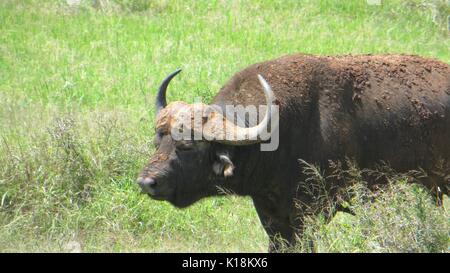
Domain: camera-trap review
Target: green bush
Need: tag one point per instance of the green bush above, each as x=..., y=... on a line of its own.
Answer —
x=77, y=85
x=398, y=217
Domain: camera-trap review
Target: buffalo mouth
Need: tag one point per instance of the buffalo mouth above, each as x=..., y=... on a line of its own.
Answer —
x=159, y=197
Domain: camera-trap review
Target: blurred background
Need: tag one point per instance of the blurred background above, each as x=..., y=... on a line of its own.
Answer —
x=77, y=84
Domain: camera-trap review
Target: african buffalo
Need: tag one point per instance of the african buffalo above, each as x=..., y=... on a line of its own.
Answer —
x=371, y=108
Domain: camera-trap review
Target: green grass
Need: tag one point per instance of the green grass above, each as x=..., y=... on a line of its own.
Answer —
x=76, y=110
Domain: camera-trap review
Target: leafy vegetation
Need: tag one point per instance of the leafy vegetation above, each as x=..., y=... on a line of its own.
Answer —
x=77, y=83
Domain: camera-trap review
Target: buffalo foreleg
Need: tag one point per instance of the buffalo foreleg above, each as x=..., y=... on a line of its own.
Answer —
x=277, y=223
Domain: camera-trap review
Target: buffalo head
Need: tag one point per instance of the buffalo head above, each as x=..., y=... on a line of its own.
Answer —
x=194, y=148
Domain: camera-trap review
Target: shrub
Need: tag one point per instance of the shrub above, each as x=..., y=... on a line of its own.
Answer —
x=398, y=217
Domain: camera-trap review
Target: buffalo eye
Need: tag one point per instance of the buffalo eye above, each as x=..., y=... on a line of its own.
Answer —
x=157, y=141
x=158, y=137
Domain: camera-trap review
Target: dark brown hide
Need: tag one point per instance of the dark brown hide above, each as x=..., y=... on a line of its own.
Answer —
x=390, y=108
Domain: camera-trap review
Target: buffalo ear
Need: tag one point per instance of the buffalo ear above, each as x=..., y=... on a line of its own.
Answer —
x=224, y=166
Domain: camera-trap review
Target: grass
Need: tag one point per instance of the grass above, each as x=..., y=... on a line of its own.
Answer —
x=77, y=85
x=399, y=217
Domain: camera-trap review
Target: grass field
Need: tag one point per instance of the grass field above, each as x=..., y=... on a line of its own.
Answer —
x=77, y=85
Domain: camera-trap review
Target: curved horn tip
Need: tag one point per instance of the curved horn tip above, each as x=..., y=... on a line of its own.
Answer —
x=263, y=82
x=173, y=74
x=161, y=95
x=270, y=96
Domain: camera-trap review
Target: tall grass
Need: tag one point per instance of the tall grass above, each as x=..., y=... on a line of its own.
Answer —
x=77, y=85
x=398, y=217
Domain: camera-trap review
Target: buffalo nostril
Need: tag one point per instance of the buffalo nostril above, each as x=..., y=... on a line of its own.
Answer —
x=150, y=182
x=140, y=181
x=146, y=182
